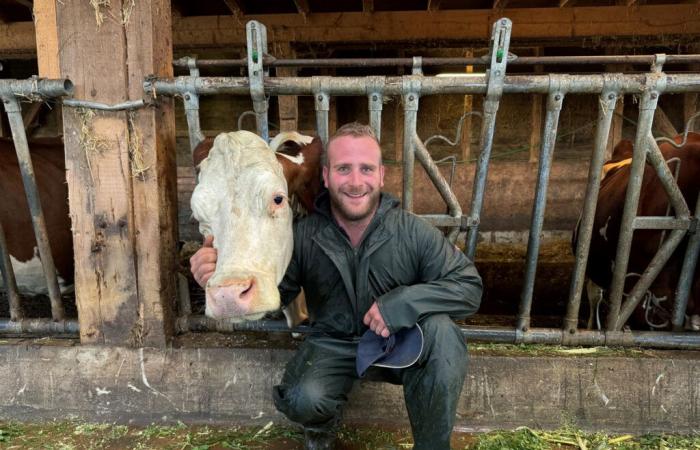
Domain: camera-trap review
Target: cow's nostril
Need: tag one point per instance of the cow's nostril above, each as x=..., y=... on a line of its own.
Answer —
x=247, y=289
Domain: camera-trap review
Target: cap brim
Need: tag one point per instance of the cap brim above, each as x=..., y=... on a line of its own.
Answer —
x=398, y=351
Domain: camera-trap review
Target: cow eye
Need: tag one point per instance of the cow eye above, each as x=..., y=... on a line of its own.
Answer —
x=278, y=199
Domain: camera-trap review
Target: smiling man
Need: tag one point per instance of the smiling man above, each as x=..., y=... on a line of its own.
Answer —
x=364, y=263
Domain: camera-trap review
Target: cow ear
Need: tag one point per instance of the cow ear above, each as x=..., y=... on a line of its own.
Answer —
x=201, y=151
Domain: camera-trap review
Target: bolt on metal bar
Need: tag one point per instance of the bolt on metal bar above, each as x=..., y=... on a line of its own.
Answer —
x=690, y=261
x=648, y=102
x=410, y=122
x=606, y=110
x=8, y=276
x=500, y=41
x=14, y=115
x=257, y=48
x=271, y=61
x=191, y=101
x=375, y=103
x=322, y=108
x=555, y=101
x=436, y=177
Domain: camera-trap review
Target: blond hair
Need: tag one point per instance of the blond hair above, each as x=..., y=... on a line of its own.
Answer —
x=354, y=129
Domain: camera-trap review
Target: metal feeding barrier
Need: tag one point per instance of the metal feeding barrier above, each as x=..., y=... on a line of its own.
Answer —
x=11, y=91
x=493, y=84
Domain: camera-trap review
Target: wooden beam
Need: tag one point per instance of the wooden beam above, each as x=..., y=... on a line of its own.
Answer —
x=459, y=25
x=302, y=7
x=434, y=5
x=47, y=39
x=288, y=104
x=368, y=6
x=235, y=6
x=662, y=124
x=120, y=171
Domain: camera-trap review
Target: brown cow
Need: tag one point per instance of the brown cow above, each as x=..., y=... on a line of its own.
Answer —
x=49, y=167
x=655, y=311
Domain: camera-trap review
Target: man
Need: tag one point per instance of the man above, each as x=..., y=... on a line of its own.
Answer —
x=364, y=262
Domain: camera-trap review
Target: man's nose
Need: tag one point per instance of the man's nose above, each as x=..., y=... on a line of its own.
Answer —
x=355, y=177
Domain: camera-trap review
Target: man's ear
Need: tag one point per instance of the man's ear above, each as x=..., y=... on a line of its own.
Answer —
x=325, y=176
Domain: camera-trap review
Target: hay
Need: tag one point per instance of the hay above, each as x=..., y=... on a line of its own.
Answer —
x=138, y=166
x=97, y=5
x=127, y=9
x=88, y=141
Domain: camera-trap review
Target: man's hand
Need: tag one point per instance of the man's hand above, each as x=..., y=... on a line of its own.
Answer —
x=203, y=262
x=374, y=320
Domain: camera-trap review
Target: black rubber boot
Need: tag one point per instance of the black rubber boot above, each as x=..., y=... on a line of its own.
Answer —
x=318, y=440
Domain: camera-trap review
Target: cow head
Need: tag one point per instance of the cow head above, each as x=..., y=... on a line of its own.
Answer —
x=243, y=200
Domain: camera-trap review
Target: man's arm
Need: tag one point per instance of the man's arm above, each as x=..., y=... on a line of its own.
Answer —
x=449, y=284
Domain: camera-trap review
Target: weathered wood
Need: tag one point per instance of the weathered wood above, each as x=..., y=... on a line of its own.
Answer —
x=572, y=24
x=118, y=275
x=662, y=124
x=46, y=39
x=288, y=104
x=153, y=173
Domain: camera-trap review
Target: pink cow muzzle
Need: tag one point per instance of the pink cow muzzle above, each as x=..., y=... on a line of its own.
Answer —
x=234, y=298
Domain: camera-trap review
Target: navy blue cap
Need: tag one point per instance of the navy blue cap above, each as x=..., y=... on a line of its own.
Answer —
x=400, y=350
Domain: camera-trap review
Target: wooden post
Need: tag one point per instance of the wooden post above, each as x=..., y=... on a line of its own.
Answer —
x=120, y=168
x=288, y=104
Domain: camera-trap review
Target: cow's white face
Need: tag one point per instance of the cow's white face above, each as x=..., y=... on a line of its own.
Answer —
x=241, y=199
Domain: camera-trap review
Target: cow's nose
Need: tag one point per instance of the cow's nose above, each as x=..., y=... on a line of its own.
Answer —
x=234, y=297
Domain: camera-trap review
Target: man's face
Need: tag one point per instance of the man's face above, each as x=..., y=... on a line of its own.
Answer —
x=354, y=177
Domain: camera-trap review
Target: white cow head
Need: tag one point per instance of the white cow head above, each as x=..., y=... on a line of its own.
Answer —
x=241, y=199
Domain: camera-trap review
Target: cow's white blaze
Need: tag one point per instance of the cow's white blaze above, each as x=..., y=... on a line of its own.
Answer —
x=241, y=199
x=30, y=279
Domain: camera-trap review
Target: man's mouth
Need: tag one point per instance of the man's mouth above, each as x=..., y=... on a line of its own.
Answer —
x=355, y=195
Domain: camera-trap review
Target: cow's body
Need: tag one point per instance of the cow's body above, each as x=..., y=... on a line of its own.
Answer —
x=653, y=201
x=49, y=167
x=243, y=199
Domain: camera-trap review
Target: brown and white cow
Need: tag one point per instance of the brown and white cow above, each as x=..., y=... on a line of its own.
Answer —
x=653, y=201
x=49, y=167
x=243, y=198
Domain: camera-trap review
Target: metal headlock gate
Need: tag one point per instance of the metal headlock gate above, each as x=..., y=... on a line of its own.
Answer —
x=11, y=91
x=492, y=84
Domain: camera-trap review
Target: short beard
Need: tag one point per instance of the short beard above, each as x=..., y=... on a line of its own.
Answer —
x=355, y=217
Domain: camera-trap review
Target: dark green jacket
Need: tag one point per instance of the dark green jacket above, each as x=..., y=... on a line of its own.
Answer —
x=403, y=263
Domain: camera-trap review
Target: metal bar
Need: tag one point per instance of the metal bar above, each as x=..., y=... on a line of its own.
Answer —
x=35, y=87
x=271, y=61
x=410, y=121
x=14, y=115
x=549, y=140
x=133, y=104
x=650, y=273
x=442, y=220
x=552, y=336
x=39, y=327
x=322, y=107
x=500, y=41
x=436, y=177
x=667, y=179
x=375, y=103
x=660, y=223
x=606, y=102
x=8, y=276
x=686, y=277
x=257, y=47
x=647, y=105
x=191, y=101
x=394, y=86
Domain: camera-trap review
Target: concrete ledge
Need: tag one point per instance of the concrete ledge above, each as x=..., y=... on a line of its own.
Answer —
x=219, y=385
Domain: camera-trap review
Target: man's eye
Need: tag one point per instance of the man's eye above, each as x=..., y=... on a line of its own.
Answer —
x=343, y=169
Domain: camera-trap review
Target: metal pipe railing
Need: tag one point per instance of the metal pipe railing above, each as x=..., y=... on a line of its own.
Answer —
x=8, y=275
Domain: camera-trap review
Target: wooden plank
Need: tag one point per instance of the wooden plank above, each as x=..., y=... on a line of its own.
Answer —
x=288, y=104
x=530, y=23
x=106, y=218
x=46, y=39
x=662, y=124
x=153, y=173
